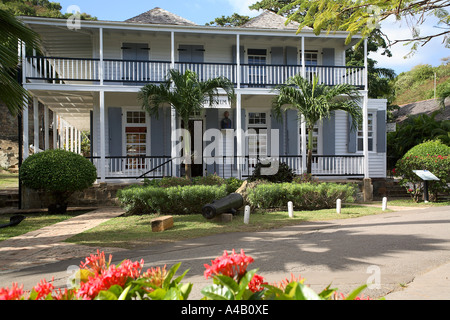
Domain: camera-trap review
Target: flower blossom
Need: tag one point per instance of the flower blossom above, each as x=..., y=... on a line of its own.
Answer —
x=15, y=293
x=234, y=265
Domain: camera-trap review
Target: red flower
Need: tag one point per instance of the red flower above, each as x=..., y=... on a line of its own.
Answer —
x=255, y=283
x=43, y=289
x=229, y=265
x=15, y=293
x=114, y=275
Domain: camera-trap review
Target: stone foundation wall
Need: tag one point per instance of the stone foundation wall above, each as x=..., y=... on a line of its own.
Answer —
x=99, y=195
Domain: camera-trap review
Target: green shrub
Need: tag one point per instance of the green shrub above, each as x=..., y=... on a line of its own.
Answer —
x=58, y=172
x=432, y=156
x=305, y=196
x=283, y=174
x=171, y=200
x=209, y=180
x=233, y=184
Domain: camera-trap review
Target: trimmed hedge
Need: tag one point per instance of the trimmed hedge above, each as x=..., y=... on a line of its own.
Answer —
x=171, y=200
x=305, y=196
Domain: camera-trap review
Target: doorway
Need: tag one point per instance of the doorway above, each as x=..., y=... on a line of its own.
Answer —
x=195, y=128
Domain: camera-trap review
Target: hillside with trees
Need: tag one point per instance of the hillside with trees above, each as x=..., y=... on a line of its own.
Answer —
x=418, y=84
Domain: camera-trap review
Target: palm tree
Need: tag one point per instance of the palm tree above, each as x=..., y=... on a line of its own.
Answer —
x=13, y=95
x=315, y=102
x=187, y=95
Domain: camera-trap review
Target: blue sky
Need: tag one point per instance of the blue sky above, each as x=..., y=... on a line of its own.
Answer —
x=203, y=11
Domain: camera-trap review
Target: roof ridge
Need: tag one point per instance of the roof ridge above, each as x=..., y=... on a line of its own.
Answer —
x=158, y=15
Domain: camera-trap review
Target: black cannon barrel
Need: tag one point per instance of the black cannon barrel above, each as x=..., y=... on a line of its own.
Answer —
x=229, y=204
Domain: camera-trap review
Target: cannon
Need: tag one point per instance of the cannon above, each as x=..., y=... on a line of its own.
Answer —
x=229, y=204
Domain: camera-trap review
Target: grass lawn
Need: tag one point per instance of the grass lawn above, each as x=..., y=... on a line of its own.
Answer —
x=135, y=231
x=33, y=221
x=8, y=180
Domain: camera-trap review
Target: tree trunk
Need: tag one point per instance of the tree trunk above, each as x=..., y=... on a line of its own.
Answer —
x=187, y=150
x=310, y=147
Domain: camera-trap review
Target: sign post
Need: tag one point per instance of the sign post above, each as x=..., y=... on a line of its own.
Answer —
x=426, y=176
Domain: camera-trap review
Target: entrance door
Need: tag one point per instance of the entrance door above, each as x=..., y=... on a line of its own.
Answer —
x=135, y=63
x=257, y=137
x=196, y=145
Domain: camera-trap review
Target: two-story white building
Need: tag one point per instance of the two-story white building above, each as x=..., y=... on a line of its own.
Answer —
x=90, y=78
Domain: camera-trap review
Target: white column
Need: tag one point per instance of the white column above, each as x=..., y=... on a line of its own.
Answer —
x=66, y=135
x=36, y=124
x=55, y=130
x=102, y=138
x=46, y=129
x=101, y=56
x=172, y=50
x=72, y=140
x=238, y=61
x=239, y=134
x=26, y=141
x=75, y=138
x=239, y=127
x=79, y=141
x=303, y=123
x=366, y=115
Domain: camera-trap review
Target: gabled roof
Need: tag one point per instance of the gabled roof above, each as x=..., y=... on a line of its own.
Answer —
x=160, y=16
x=270, y=20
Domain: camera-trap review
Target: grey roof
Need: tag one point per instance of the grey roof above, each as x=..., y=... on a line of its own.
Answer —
x=270, y=20
x=160, y=16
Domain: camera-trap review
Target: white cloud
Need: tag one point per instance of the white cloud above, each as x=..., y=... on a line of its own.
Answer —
x=431, y=53
x=241, y=7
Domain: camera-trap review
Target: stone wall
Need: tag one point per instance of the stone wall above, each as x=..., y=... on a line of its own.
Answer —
x=99, y=195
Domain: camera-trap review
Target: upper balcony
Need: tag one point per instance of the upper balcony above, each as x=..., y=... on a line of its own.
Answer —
x=59, y=70
x=262, y=54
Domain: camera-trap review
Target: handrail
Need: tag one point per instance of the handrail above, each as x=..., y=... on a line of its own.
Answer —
x=157, y=167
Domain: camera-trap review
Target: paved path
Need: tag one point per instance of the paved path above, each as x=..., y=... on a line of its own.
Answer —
x=407, y=248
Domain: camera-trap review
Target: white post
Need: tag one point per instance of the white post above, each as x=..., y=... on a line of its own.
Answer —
x=239, y=134
x=36, y=124
x=338, y=206
x=102, y=138
x=384, y=205
x=238, y=61
x=75, y=138
x=291, y=209
x=26, y=141
x=79, y=141
x=46, y=129
x=72, y=138
x=247, y=215
x=303, y=123
x=366, y=116
x=66, y=133
x=101, y=56
x=55, y=130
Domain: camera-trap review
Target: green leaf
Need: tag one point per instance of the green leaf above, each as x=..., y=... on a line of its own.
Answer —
x=228, y=282
x=157, y=294
x=106, y=295
x=356, y=292
x=327, y=292
x=170, y=275
x=217, y=292
x=123, y=296
x=186, y=290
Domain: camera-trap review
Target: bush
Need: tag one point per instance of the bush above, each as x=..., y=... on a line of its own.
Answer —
x=305, y=196
x=284, y=173
x=432, y=156
x=58, y=172
x=171, y=200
